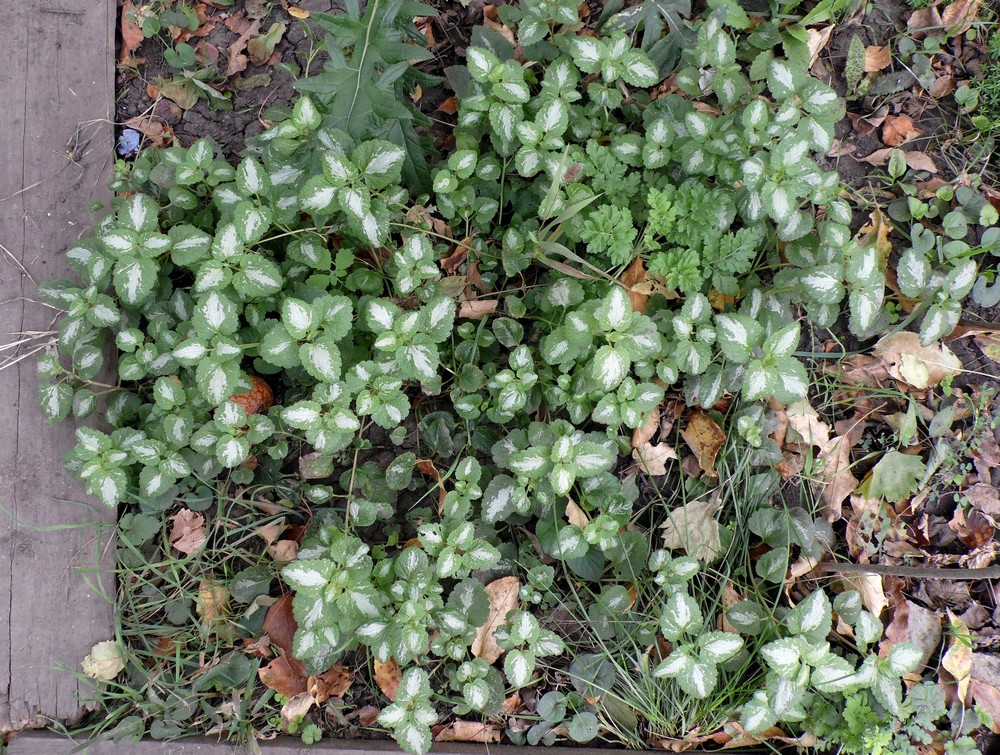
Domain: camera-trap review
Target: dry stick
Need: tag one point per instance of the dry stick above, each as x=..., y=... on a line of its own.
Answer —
x=925, y=572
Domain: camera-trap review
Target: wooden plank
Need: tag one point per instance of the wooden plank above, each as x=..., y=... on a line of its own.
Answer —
x=57, y=74
x=36, y=743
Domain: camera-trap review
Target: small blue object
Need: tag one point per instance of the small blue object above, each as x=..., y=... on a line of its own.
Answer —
x=128, y=142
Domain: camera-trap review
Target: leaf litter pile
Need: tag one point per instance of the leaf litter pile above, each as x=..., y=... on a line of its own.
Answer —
x=897, y=443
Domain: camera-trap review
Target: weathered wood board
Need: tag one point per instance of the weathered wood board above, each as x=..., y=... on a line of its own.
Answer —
x=57, y=77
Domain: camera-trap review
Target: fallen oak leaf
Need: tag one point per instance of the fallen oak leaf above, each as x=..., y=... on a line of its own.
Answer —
x=188, y=532
x=652, y=459
x=503, y=597
x=694, y=528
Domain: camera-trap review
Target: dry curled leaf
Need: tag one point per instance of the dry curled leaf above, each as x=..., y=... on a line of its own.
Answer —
x=188, y=532
x=817, y=40
x=104, y=661
x=918, y=366
x=645, y=432
x=282, y=678
x=805, y=426
x=835, y=475
x=914, y=159
x=635, y=273
x=898, y=129
x=575, y=515
x=387, y=677
x=334, y=682
x=468, y=731
x=652, y=458
x=694, y=528
x=503, y=597
x=705, y=439
x=877, y=58
x=957, y=661
x=476, y=309
x=295, y=710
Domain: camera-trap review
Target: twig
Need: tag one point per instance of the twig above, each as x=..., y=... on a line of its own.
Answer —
x=925, y=572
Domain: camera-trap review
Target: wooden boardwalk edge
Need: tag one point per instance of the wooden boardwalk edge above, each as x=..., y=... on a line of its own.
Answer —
x=56, y=89
x=38, y=743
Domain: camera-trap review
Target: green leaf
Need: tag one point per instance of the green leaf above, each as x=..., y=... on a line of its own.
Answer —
x=737, y=335
x=321, y=359
x=519, y=666
x=897, y=476
x=134, y=279
x=55, y=400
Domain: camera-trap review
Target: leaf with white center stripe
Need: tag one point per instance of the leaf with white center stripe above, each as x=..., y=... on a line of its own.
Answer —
x=592, y=459
x=252, y=222
x=680, y=615
x=608, y=367
x=503, y=119
x=498, y=499
x=905, y=658
x=638, y=70
x=139, y=213
x=189, y=245
x=913, y=273
x=782, y=656
x=782, y=79
x=778, y=202
x=302, y=415
x=215, y=314
x=784, y=342
x=305, y=115
x=321, y=359
x=227, y=243
x=190, y=352
x=217, y=380
x=379, y=163
x=529, y=463
x=55, y=401
x=756, y=381
x=381, y=315
x=673, y=665
x=719, y=647
x=699, y=680
x=318, y=196
x=615, y=311
x=251, y=177
x=940, y=320
x=788, y=380
x=480, y=62
x=587, y=53
x=737, y=335
x=258, y=277
x=439, y=317
x=298, y=317
x=304, y=575
x=419, y=361
x=134, y=279
x=519, y=665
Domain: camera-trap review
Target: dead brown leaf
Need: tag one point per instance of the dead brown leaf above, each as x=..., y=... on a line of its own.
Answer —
x=835, y=475
x=914, y=624
x=282, y=678
x=645, y=432
x=334, y=682
x=652, y=459
x=477, y=309
x=805, y=426
x=919, y=366
x=575, y=515
x=817, y=40
x=972, y=528
x=503, y=597
x=916, y=160
x=368, y=715
x=131, y=32
x=957, y=661
x=295, y=710
x=958, y=17
x=237, y=60
x=898, y=129
x=985, y=498
x=188, y=532
x=468, y=731
x=387, y=677
x=877, y=58
x=694, y=528
x=636, y=273
x=212, y=603
x=705, y=439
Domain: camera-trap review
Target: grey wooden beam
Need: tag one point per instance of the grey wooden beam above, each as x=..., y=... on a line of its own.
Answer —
x=57, y=75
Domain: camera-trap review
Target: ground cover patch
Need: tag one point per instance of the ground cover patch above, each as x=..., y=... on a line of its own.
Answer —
x=582, y=401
